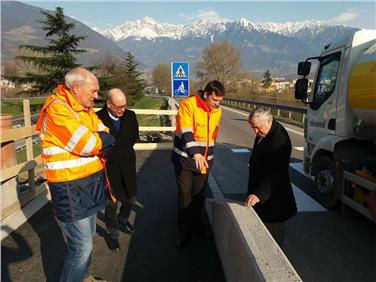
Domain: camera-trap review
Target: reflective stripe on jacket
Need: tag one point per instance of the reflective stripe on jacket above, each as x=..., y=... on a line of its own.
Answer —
x=70, y=138
x=196, y=132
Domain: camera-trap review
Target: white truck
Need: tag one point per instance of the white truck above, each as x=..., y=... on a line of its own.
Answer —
x=340, y=124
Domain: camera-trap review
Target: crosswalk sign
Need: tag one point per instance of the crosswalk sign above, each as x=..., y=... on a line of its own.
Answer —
x=180, y=70
x=180, y=79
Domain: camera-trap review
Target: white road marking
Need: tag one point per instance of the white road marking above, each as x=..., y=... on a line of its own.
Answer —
x=244, y=114
x=305, y=203
x=299, y=168
x=299, y=148
x=240, y=150
x=235, y=111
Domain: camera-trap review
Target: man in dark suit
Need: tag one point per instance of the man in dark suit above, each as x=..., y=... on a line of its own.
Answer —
x=121, y=162
x=269, y=185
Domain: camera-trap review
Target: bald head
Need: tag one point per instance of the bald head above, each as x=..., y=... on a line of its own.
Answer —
x=116, y=102
x=83, y=85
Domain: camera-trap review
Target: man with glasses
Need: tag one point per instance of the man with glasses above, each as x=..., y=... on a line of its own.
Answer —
x=121, y=163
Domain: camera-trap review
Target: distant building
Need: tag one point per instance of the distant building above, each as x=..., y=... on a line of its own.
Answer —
x=310, y=82
x=279, y=84
x=7, y=84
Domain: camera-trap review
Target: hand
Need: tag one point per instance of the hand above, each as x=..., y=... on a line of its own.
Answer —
x=105, y=152
x=251, y=200
x=200, y=161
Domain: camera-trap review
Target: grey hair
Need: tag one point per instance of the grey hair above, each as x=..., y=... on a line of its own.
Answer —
x=76, y=75
x=262, y=114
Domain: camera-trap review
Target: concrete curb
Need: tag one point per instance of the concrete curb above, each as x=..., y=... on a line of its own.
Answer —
x=247, y=250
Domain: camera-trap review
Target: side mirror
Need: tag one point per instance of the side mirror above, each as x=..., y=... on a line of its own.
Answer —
x=304, y=68
x=301, y=88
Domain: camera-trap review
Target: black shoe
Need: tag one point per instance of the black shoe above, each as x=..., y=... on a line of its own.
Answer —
x=182, y=243
x=126, y=228
x=113, y=232
x=113, y=244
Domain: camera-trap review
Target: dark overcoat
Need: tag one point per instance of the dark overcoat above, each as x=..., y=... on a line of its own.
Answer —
x=121, y=162
x=269, y=176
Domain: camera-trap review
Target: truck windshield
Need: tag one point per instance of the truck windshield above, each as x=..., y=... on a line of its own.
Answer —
x=326, y=79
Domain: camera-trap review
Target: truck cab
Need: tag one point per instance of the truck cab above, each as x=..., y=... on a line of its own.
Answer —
x=340, y=126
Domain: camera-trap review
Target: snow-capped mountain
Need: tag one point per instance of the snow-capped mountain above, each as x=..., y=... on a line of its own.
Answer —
x=274, y=46
x=145, y=28
x=149, y=28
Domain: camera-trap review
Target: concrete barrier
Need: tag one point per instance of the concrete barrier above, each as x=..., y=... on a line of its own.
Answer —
x=247, y=250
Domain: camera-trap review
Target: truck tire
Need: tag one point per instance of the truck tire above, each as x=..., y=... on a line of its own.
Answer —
x=325, y=179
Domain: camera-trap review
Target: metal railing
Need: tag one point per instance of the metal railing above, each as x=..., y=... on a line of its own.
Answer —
x=280, y=111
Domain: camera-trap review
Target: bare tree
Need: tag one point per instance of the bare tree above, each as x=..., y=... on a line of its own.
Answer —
x=161, y=78
x=220, y=61
x=10, y=68
x=107, y=65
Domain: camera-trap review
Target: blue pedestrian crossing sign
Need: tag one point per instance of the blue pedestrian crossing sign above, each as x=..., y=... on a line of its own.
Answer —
x=180, y=79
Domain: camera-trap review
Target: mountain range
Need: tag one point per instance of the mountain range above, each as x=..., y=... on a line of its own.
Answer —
x=277, y=47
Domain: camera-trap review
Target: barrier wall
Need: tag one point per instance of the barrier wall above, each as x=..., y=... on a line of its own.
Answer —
x=247, y=250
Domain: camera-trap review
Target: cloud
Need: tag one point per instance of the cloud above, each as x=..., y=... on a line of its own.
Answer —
x=347, y=17
x=208, y=15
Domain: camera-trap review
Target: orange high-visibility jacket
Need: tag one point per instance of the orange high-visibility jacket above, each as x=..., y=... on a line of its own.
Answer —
x=196, y=132
x=70, y=138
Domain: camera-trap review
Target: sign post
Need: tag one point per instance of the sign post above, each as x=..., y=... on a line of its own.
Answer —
x=180, y=79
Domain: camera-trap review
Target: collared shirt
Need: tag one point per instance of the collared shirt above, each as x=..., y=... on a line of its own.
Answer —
x=115, y=120
x=112, y=116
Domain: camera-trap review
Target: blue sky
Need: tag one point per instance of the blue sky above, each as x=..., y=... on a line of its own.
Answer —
x=108, y=14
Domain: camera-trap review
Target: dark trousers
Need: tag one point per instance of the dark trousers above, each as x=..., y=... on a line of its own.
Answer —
x=114, y=219
x=277, y=230
x=191, y=200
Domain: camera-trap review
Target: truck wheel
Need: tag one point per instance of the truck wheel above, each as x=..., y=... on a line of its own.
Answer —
x=325, y=178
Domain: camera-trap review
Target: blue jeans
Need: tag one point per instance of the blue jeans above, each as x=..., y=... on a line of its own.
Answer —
x=79, y=235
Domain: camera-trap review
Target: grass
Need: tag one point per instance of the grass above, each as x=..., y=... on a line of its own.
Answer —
x=21, y=154
x=150, y=103
x=15, y=107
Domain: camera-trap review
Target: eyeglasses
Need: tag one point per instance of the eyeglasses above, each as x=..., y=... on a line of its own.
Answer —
x=118, y=108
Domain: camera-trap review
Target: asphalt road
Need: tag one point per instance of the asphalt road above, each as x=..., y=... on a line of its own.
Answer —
x=322, y=245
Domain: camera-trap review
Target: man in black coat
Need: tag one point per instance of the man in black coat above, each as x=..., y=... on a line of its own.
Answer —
x=269, y=187
x=121, y=162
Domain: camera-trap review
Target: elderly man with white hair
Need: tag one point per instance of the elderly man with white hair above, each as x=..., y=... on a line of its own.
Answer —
x=73, y=143
x=269, y=186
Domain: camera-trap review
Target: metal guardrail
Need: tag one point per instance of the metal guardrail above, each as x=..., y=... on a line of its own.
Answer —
x=247, y=104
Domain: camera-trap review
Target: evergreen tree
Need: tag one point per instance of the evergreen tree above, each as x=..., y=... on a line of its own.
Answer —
x=130, y=77
x=53, y=61
x=266, y=80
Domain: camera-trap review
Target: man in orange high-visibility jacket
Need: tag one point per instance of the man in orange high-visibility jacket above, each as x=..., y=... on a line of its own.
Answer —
x=73, y=141
x=196, y=131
